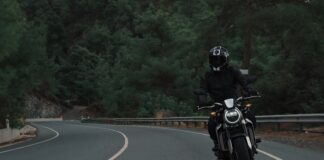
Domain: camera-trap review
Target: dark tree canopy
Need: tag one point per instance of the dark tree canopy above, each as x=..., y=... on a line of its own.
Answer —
x=137, y=57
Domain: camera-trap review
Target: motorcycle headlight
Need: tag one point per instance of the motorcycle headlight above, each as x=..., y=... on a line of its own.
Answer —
x=232, y=116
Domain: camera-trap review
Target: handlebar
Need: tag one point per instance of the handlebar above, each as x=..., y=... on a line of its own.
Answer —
x=220, y=104
x=247, y=98
x=209, y=107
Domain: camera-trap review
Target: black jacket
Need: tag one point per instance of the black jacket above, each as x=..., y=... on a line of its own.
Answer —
x=223, y=84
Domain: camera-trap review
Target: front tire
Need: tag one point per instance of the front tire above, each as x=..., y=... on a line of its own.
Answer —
x=241, y=149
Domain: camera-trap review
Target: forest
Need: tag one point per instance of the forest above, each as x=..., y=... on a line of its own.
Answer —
x=132, y=58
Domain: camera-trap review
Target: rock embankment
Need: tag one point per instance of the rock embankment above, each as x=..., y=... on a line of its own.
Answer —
x=39, y=107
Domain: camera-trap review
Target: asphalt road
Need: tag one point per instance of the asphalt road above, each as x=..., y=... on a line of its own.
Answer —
x=77, y=141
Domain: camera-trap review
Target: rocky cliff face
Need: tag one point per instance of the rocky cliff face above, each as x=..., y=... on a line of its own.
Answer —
x=38, y=107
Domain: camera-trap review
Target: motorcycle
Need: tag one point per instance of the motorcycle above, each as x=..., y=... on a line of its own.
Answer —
x=235, y=132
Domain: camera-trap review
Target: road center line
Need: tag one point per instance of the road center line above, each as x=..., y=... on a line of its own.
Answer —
x=121, y=133
x=30, y=145
x=259, y=150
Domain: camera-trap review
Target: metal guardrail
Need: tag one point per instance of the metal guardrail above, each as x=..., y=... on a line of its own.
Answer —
x=278, y=120
x=291, y=118
x=300, y=119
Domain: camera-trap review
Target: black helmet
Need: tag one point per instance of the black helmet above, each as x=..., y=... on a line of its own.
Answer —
x=218, y=58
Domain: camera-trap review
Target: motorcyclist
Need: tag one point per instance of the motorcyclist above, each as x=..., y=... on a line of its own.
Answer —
x=220, y=83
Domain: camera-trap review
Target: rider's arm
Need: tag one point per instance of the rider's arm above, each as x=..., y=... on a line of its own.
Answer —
x=242, y=81
x=204, y=84
x=202, y=93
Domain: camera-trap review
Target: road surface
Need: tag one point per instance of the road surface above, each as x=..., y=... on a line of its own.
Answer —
x=78, y=141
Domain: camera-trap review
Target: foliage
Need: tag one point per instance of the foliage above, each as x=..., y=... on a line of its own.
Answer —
x=137, y=57
x=24, y=63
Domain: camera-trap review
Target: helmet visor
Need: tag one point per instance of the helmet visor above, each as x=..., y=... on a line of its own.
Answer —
x=217, y=61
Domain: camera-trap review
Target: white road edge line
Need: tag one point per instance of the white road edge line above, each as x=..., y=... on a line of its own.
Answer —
x=30, y=145
x=268, y=154
x=123, y=148
x=120, y=152
x=259, y=150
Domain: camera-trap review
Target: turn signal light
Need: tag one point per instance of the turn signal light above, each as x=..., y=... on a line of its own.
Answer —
x=213, y=114
x=248, y=105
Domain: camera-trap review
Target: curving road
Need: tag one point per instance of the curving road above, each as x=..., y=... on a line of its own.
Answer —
x=77, y=141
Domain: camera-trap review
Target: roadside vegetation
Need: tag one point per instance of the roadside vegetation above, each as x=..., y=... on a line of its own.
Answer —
x=132, y=58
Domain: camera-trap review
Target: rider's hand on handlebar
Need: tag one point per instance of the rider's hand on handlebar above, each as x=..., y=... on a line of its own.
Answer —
x=196, y=108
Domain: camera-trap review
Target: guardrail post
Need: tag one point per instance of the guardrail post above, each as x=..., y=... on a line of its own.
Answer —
x=278, y=127
x=258, y=125
x=8, y=123
x=301, y=127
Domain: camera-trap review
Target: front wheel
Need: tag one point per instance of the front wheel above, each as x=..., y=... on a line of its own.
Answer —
x=241, y=149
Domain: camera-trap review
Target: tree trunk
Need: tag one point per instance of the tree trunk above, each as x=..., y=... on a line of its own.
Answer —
x=247, y=38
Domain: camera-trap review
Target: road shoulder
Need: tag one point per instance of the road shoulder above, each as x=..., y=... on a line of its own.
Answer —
x=27, y=133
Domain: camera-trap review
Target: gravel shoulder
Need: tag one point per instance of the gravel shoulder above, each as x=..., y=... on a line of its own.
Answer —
x=307, y=139
x=313, y=141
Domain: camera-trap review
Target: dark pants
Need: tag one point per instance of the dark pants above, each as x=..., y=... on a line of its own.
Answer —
x=212, y=124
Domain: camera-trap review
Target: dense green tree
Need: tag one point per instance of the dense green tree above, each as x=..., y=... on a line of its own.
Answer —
x=24, y=63
x=291, y=74
x=138, y=57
